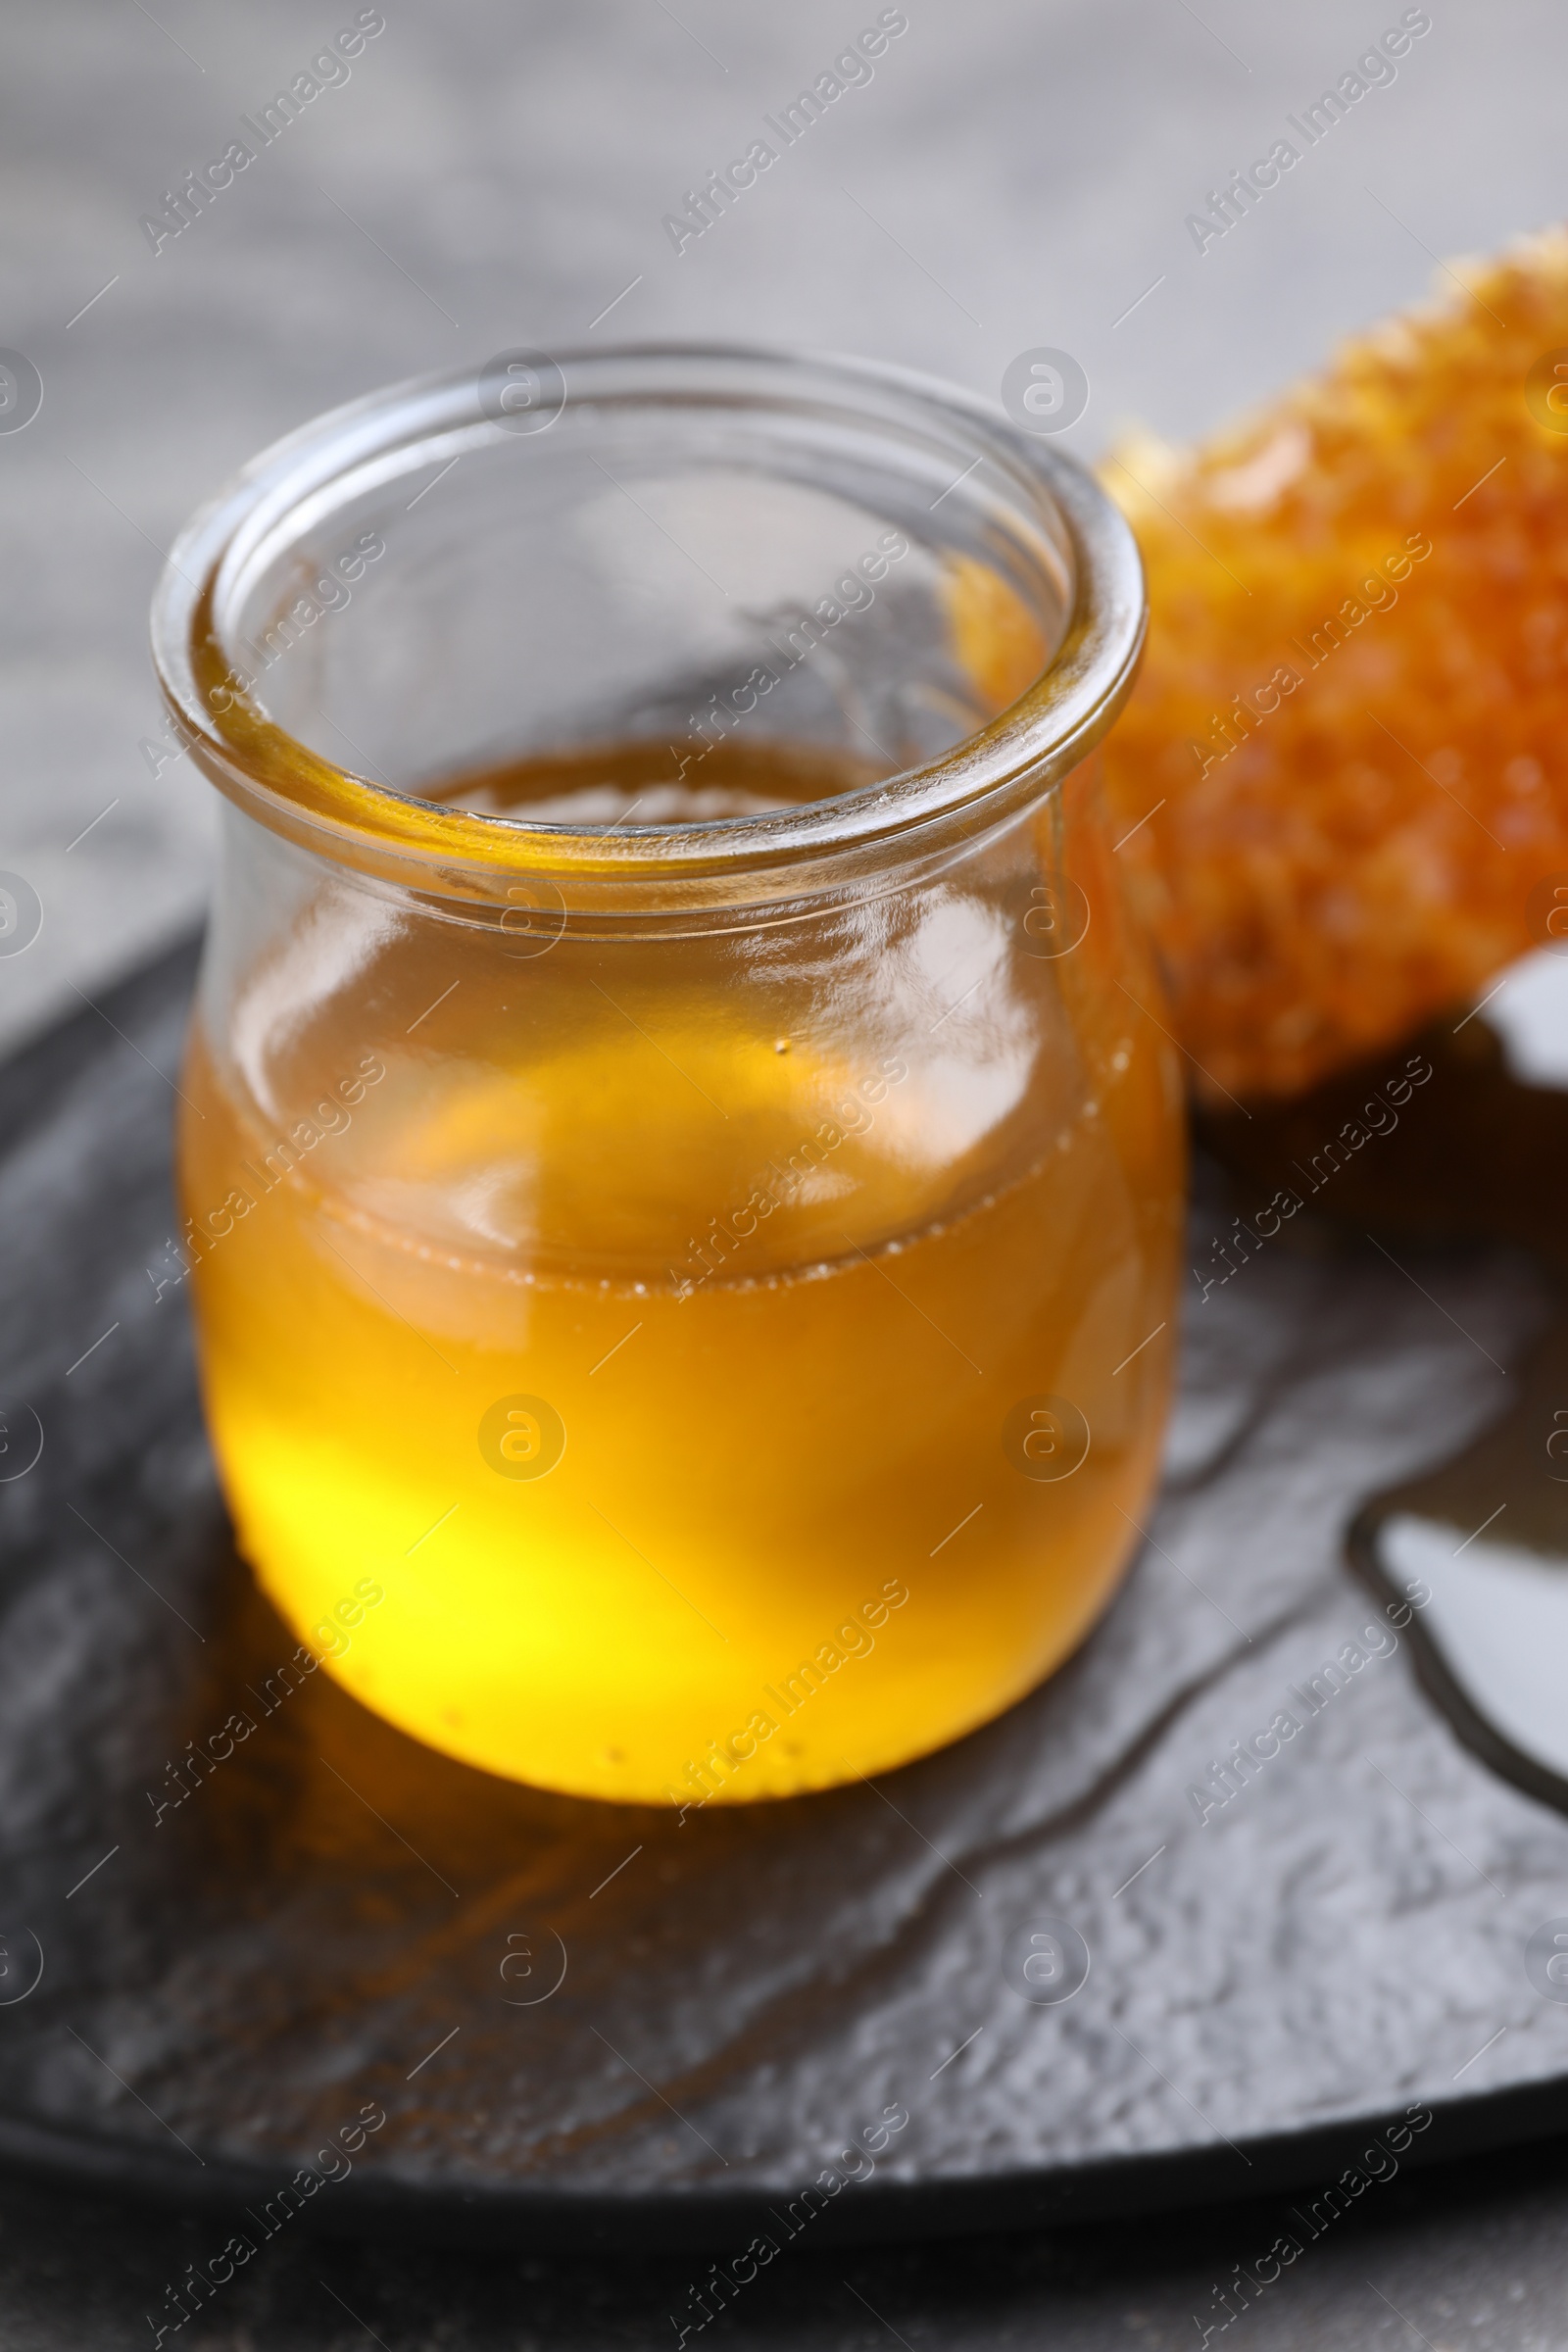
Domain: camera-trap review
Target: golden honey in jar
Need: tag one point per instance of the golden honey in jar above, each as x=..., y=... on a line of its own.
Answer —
x=681, y=1162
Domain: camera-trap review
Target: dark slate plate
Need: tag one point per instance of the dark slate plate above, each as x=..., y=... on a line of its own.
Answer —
x=340, y=1922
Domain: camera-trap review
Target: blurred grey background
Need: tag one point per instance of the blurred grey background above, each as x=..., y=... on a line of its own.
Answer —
x=1018, y=173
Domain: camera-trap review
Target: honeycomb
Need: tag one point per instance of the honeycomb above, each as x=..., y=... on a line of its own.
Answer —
x=1343, y=779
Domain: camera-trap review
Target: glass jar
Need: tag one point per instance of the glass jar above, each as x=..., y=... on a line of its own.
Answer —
x=681, y=1163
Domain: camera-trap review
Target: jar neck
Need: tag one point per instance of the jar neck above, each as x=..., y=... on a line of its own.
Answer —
x=702, y=874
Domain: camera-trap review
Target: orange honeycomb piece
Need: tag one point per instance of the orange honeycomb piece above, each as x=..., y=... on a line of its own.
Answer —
x=1347, y=757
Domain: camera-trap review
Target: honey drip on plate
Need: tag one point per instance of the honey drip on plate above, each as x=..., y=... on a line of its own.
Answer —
x=1477, y=1156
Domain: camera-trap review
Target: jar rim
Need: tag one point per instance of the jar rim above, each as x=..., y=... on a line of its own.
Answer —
x=450, y=852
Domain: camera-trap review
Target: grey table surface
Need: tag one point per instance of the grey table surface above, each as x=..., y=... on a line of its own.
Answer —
x=488, y=175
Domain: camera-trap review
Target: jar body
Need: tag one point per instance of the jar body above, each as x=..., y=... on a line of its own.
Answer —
x=687, y=1365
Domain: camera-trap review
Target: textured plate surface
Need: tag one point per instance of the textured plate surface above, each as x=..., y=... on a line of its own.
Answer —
x=337, y=1922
